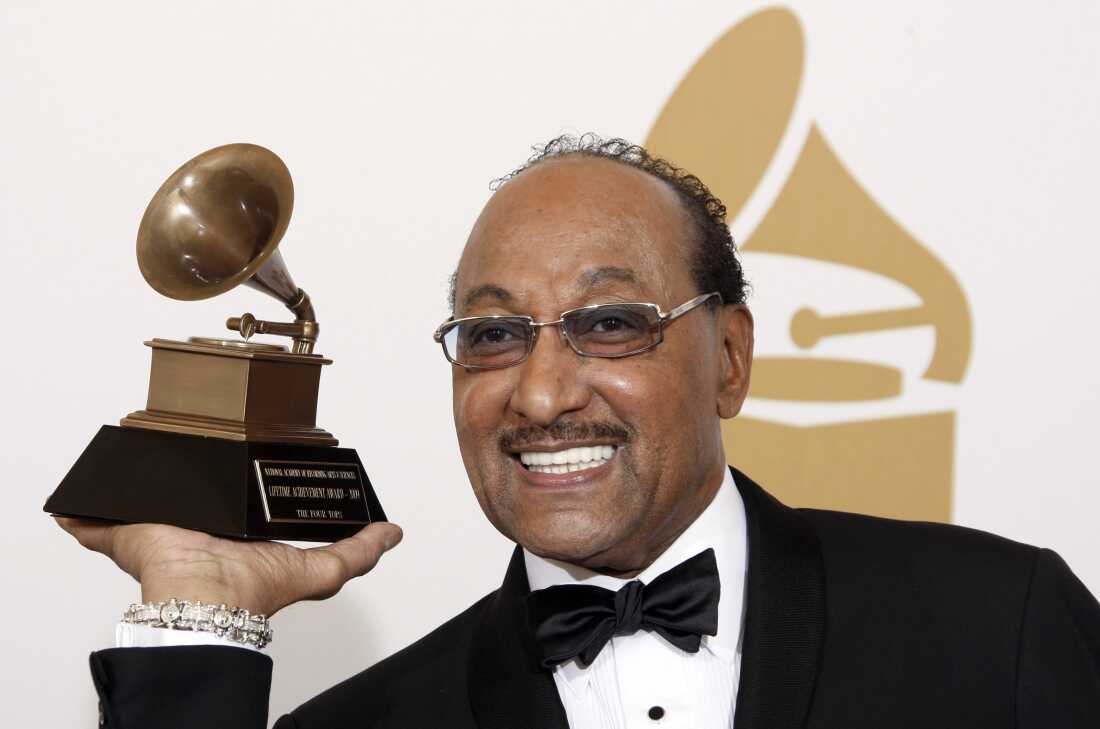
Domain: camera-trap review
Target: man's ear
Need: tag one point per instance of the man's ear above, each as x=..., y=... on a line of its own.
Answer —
x=735, y=327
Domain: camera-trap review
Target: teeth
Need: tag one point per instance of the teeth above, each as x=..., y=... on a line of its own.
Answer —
x=568, y=460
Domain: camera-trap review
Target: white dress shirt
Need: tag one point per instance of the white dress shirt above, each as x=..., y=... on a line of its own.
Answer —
x=130, y=635
x=641, y=680
x=637, y=680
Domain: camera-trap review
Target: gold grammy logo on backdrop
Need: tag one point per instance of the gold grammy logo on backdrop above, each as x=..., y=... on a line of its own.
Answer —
x=725, y=123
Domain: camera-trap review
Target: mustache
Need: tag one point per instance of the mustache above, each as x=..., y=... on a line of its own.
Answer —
x=564, y=431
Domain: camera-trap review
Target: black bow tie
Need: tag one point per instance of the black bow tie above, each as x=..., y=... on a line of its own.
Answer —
x=576, y=621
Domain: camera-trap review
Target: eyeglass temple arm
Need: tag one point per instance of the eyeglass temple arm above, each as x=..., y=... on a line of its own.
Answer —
x=689, y=305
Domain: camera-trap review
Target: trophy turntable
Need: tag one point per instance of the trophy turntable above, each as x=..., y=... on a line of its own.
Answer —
x=227, y=442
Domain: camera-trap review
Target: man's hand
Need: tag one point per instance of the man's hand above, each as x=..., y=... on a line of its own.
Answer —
x=262, y=577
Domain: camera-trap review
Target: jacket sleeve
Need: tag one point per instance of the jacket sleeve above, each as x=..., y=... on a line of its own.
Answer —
x=182, y=686
x=1059, y=652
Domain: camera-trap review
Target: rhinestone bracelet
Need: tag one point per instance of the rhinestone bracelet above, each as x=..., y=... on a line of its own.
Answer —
x=236, y=624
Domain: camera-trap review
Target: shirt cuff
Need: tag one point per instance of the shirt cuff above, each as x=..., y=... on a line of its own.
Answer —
x=132, y=635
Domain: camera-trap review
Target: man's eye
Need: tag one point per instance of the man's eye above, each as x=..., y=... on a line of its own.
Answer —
x=613, y=322
x=492, y=335
x=610, y=325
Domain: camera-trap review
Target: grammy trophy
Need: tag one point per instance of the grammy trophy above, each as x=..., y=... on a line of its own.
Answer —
x=227, y=442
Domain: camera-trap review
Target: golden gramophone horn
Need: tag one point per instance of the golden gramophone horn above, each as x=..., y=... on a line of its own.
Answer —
x=216, y=222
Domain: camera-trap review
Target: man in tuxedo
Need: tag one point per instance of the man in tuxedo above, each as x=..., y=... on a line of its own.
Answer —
x=599, y=336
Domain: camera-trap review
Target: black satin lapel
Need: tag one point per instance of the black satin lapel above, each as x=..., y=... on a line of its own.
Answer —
x=508, y=689
x=784, y=614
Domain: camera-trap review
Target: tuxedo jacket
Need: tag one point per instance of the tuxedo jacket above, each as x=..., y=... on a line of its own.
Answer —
x=850, y=622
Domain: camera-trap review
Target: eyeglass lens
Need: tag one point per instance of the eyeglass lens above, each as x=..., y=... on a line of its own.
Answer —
x=488, y=342
x=610, y=330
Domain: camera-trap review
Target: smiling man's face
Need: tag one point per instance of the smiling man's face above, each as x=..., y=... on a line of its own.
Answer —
x=642, y=431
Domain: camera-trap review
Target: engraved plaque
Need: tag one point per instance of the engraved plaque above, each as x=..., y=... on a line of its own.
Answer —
x=312, y=492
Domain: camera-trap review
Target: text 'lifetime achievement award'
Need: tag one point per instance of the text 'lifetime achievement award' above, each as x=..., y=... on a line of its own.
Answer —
x=228, y=441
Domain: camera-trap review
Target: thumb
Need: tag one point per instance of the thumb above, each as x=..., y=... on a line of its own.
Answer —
x=331, y=566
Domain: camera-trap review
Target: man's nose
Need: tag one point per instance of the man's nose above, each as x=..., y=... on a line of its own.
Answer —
x=550, y=383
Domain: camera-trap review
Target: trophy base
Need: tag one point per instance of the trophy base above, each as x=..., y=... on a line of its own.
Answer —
x=234, y=390
x=229, y=488
x=230, y=429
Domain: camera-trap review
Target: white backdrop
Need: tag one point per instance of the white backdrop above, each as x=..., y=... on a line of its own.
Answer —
x=973, y=123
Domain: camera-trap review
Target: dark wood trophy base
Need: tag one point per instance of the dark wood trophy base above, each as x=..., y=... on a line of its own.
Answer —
x=229, y=488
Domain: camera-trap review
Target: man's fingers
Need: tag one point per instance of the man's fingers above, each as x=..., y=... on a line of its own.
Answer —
x=97, y=536
x=359, y=553
x=333, y=565
x=270, y=575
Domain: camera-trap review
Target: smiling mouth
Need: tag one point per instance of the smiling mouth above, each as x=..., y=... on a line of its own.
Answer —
x=567, y=460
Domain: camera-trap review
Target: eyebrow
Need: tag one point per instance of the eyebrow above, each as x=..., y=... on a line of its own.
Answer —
x=595, y=277
x=588, y=280
x=486, y=291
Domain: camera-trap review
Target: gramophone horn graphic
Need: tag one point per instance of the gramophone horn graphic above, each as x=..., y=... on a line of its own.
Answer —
x=725, y=122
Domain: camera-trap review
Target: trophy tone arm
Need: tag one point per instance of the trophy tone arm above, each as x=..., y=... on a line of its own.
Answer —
x=304, y=330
